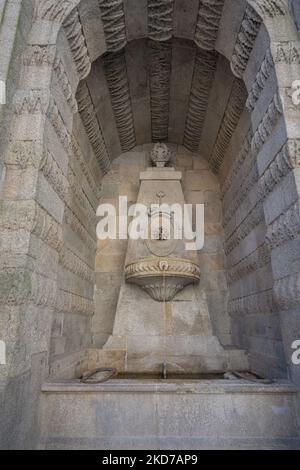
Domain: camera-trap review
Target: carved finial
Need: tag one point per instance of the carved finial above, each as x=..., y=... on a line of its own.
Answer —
x=160, y=155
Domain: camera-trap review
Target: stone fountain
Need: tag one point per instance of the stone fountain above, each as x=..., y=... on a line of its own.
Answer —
x=162, y=311
x=159, y=264
x=162, y=330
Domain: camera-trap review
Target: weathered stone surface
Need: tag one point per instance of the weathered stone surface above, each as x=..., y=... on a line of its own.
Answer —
x=142, y=331
x=52, y=161
x=187, y=415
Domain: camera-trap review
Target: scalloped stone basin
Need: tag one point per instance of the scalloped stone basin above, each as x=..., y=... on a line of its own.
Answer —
x=162, y=278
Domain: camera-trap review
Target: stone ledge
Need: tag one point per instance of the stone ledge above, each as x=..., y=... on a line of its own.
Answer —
x=170, y=386
x=154, y=442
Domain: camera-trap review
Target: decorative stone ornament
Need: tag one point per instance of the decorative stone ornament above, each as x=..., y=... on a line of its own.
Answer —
x=160, y=155
x=160, y=240
x=162, y=278
x=160, y=264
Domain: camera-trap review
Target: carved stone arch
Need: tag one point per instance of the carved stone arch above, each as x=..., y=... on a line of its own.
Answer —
x=270, y=8
x=54, y=10
x=42, y=173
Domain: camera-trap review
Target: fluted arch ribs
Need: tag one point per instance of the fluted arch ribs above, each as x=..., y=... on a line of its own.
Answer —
x=160, y=19
x=113, y=18
x=54, y=10
x=73, y=29
x=234, y=109
x=117, y=79
x=209, y=16
x=92, y=126
x=160, y=75
x=270, y=8
x=204, y=72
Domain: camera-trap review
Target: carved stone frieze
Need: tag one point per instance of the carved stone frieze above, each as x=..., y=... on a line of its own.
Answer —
x=267, y=123
x=160, y=19
x=241, y=192
x=72, y=303
x=286, y=52
x=92, y=126
x=24, y=154
x=244, y=153
x=64, y=82
x=75, y=36
x=287, y=159
x=47, y=229
x=286, y=227
x=260, y=80
x=54, y=10
x=59, y=126
x=256, y=260
x=245, y=41
x=117, y=79
x=209, y=16
x=39, y=55
x=260, y=302
x=45, y=55
x=230, y=120
x=113, y=18
x=252, y=220
x=54, y=175
x=76, y=152
x=204, y=71
x=76, y=265
x=270, y=8
x=160, y=74
x=31, y=101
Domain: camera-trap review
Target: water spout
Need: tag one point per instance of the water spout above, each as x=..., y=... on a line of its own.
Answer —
x=164, y=370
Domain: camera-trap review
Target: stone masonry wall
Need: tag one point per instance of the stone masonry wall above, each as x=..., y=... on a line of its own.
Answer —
x=254, y=318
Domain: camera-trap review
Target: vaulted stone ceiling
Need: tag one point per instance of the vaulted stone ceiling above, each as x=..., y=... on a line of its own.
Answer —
x=162, y=70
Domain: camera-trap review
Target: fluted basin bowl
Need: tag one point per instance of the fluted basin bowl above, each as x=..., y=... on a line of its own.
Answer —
x=162, y=278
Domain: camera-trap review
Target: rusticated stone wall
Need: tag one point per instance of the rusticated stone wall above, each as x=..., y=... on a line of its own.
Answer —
x=259, y=214
x=50, y=189
x=71, y=324
x=254, y=317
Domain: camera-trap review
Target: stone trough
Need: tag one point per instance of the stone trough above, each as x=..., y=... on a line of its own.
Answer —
x=168, y=414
